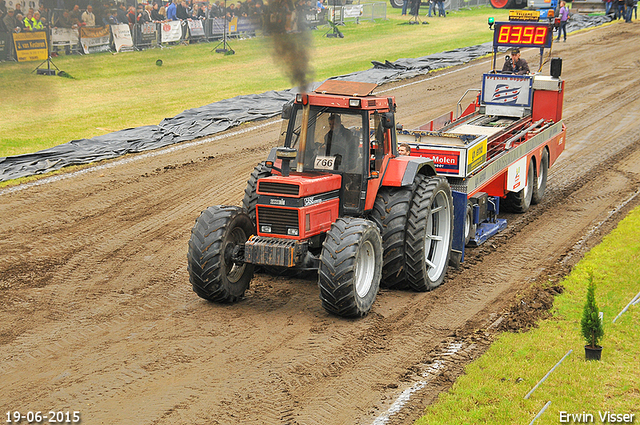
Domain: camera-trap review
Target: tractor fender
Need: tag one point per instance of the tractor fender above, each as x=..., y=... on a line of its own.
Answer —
x=402, y=170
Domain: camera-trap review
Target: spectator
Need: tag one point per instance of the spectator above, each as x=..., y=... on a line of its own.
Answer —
x=20, y=21
x=10, y=21
x=121, y=14
x=88, y=17
x=171, y=11
x=3, y=27
x=110, y=18
x=182, y=12
x=620, y=9
x=404, y=149
x=75, y=15
x=27, y=22
x=405, y=4
x=441, y=11
x=63, y=21
x=131, y=16
x=18, y=10
x=432, y=8
x=629, y=11
x=202, y=12
x=155, y=13
x=608, y=4
x=163, y=12
x=564, y=17
x=144, y=15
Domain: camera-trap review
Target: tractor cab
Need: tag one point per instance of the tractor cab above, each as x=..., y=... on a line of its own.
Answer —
x=339, y=129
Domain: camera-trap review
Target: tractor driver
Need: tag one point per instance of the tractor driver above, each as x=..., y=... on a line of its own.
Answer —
x=339, y=142
x=514, y=64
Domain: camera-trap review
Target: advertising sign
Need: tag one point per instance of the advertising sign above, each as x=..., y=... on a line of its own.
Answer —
x=476, y=156
x=510, y=90
x=122, y=37
x=171, y=31
x=446, y=161
x=196, y=29
x=94, y=40
x=517, y=175
x=5, y=39
x=64, y=37
x=31, y=46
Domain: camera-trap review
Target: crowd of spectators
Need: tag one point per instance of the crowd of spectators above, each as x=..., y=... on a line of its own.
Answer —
x=288, y=12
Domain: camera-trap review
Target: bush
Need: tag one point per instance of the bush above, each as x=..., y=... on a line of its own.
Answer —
x=592, y=329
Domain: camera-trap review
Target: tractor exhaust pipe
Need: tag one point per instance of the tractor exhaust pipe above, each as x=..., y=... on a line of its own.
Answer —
x=303, y=133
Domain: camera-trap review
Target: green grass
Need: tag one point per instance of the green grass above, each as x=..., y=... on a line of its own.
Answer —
x=491, y=390
x=111, y=92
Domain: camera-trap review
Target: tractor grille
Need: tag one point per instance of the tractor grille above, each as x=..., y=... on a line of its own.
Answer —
x=279, y=188
x=280, y=219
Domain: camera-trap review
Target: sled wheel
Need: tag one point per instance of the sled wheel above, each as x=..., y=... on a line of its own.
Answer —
x=429, y=233
x=519, y=202
x=216, y=237
x=350, y=267
x=469, y=225
x=541, y=181
x=390, y=213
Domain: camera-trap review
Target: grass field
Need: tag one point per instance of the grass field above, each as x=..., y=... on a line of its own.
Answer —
x=111, y=92
x=492, y=390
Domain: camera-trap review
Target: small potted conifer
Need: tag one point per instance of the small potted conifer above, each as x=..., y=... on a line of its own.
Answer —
x=592, y=329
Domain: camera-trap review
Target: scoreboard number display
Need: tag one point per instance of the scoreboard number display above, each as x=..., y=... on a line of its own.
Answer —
x=522, y=34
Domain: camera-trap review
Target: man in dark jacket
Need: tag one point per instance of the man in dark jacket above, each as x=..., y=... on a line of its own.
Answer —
x=515, y=64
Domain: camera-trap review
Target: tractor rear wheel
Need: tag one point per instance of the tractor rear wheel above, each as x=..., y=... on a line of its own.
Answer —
x=429, y=233
x=390, y=213
x=519, y=202
x=350, y=267
x=250, y=196
x=215, y=240
x=541, y=181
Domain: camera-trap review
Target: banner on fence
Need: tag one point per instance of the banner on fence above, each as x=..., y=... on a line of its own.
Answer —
x=148, y=33
x=171, y=31
x=5, y=39
x=94, y=40
x=352, y=11
x=233, y=25
x=196, y=29
x=64, y=37
x=122, y=38
x=31, y=46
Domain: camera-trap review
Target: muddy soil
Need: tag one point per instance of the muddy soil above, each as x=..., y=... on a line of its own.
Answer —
x=98, y=315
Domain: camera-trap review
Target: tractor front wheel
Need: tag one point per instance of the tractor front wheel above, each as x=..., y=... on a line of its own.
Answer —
x=215, y=271
x=350, y=267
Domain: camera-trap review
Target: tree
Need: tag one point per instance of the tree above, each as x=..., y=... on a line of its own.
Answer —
x=592, y=329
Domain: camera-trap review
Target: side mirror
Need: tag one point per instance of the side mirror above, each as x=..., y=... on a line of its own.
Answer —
x=387, y=120
x=287, y=109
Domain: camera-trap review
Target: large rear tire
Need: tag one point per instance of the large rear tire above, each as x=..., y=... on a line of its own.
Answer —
x=350, y=267
x=429, y=233
x=390, y=213
x=397, y=4
x=541, y=181
x=250, y=199
x=502, y=4
x=214, y=238
x=519, y=202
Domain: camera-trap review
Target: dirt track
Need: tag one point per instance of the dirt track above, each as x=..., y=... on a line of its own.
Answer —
x=98, y=316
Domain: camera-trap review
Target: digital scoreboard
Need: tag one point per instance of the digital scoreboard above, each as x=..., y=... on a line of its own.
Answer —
x=522, y=34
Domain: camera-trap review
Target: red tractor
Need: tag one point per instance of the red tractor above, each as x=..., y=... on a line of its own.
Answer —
x=335, y=198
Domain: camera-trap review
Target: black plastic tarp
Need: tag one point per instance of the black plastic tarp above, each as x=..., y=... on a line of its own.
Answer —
x=219, y=116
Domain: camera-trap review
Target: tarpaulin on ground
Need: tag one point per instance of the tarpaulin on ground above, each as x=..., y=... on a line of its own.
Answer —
x=219, y=116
